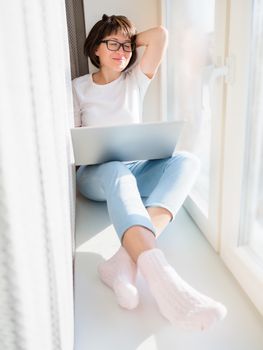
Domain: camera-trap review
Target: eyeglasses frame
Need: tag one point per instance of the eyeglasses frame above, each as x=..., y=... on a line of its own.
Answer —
x=133, y=45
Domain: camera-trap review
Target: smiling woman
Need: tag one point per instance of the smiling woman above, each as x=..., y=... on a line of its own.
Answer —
x=114, y=53
x=114, y=95
x=115, y=28
x=119, y=86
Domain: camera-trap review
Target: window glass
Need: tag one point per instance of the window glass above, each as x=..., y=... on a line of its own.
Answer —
x=190, y=58
x=251, y=225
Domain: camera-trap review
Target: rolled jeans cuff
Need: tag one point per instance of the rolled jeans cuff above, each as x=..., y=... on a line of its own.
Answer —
x=133, y=220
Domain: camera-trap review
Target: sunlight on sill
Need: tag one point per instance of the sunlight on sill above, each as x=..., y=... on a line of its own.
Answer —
x=103, y=243
x=149, y=343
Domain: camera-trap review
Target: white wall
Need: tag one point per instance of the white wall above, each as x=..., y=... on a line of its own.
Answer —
x=144, y=14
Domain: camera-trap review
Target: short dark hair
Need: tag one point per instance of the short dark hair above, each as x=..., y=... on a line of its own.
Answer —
x=106, y=26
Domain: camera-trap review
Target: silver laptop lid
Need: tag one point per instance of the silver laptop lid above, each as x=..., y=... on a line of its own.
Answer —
x=99, y=144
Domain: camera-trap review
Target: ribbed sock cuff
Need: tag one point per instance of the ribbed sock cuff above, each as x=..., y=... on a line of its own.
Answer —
x=152, y=259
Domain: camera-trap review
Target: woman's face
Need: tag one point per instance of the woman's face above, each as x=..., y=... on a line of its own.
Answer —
x=114, y=60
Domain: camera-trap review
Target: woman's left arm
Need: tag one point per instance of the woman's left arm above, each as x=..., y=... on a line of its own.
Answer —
x=155, y=41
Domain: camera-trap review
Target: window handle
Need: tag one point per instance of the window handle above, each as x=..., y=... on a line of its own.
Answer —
x=214, y=72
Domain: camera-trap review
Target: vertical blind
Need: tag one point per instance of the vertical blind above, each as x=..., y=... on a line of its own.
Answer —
x=36, y=177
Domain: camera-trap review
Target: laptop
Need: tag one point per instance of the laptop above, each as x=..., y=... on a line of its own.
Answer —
x=125, y=142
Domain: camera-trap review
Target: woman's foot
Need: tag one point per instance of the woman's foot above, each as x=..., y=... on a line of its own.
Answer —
x=119, y=273
x=178, y=302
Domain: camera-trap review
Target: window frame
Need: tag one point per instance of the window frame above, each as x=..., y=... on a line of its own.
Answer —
x=242, y=262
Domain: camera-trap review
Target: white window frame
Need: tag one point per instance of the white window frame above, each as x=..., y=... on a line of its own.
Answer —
x=245, y=265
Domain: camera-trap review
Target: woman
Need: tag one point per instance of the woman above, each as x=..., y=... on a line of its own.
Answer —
x=142, y=196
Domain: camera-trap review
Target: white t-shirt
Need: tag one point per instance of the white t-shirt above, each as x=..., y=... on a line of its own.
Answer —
x=118, y=102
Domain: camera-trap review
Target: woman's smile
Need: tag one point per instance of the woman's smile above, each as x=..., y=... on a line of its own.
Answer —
x=119, y=59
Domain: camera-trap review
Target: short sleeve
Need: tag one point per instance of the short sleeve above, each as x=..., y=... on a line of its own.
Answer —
x=142, y=80
x=76, y=106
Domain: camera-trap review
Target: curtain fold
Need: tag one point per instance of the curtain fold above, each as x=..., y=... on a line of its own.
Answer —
x=76, y=36
x=36, y=178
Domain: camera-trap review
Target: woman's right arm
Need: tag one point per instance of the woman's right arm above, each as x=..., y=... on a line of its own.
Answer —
x=155, y=41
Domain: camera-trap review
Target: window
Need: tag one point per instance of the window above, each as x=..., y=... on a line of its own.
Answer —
x=251, y=222
x=242, y=227
x=196, y=50
x=227, y=200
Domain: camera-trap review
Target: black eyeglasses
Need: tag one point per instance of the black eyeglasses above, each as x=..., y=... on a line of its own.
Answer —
x=113, y=45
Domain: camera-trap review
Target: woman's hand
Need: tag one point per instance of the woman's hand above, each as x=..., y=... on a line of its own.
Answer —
x=155, y=41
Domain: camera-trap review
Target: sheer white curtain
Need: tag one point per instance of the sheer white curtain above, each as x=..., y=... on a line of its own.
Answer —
x=187, y=55
x=36, y=177
x=190, y=55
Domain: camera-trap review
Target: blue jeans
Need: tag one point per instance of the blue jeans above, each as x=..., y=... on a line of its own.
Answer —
x=130, y=187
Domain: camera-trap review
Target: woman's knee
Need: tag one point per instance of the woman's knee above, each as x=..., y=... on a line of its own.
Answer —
x=187, y=159
x=88, y=184
x=193, y=160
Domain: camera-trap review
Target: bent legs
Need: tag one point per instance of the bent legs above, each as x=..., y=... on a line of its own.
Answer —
x=177, y=301
x=166, y=183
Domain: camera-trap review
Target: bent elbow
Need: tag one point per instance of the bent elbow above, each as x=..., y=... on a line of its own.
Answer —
x=163, y=33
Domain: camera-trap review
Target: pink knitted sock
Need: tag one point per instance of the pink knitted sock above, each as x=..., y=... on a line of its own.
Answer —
x=181, y=304
x=119, y=273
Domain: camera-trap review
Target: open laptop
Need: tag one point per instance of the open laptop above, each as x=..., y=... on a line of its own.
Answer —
x=126, y=142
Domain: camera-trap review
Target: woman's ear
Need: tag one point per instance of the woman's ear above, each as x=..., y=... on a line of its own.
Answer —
x=97, y=51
